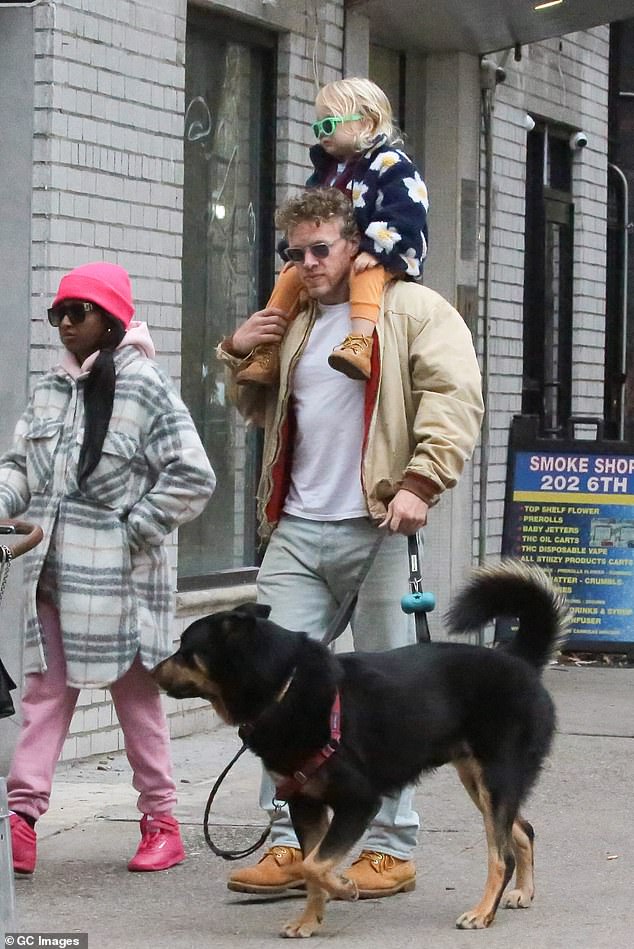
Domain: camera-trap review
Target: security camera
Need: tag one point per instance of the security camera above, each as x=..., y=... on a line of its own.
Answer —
x=578, y=140
x=490, y=73
x=529, y=122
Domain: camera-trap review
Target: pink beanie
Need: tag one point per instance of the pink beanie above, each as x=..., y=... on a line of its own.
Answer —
x=107, y=285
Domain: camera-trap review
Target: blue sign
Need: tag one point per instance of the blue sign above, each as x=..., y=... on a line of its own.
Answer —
x=572, y=513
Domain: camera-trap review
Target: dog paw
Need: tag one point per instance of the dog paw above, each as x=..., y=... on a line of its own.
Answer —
x=472, y=920
x=516, y=899
x=347, y=889
x=299, y=929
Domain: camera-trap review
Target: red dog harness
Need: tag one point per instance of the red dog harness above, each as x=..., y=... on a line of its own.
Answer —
x=298, y=779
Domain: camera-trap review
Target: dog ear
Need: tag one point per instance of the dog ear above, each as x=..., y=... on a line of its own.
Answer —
x=258, y=610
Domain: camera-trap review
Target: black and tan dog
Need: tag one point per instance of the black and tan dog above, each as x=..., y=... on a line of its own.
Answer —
x=403, y=712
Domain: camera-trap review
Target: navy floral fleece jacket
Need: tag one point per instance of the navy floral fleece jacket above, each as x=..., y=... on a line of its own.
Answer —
x=389, y=199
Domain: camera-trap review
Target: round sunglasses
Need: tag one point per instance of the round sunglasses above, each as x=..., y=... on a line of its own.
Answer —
x=326, y=126
x=321, y=250
x=76, y=312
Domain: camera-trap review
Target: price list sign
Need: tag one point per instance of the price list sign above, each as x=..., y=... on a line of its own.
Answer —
x=572, y=512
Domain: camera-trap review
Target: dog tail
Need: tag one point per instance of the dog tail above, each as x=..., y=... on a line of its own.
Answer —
x=515, y=588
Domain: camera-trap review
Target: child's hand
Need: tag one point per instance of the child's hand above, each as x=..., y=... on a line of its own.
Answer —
x=364, y=261
x=264, y=326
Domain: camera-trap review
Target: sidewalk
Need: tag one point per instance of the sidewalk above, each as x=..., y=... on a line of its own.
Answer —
x=581, y=810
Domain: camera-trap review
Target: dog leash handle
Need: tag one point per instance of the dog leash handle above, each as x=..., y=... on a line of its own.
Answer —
x=417, y=601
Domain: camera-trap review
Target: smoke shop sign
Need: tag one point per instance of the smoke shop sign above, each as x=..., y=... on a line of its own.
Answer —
x=573, y=513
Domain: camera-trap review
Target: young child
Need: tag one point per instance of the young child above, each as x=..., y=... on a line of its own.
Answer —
x=356, y=154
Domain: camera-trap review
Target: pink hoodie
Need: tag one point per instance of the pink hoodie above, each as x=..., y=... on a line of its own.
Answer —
x=137, y=335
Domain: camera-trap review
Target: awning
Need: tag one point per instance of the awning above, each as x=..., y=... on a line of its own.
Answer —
x=482, y=26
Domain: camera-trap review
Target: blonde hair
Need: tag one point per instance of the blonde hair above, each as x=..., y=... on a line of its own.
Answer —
x=356, y=94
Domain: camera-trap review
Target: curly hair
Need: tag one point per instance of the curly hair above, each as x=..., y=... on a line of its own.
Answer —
x=317, y=205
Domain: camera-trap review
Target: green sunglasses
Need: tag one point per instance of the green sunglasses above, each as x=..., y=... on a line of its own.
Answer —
x=327, y=126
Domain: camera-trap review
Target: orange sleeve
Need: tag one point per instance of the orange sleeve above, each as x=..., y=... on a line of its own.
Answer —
x=366, y=290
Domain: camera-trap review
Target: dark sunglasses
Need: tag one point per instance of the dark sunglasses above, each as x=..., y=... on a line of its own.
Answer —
x=76, y=312
x=321, y=250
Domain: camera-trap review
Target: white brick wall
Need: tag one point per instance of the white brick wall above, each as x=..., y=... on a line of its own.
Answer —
x=306, y=60
x=108, y=168
x=561, y=81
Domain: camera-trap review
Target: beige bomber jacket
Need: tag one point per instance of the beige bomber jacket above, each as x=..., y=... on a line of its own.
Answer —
x=423, y=404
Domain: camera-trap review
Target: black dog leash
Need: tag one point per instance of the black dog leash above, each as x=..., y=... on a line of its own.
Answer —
x=335, y=628
x=346, y=608
x=235, y=854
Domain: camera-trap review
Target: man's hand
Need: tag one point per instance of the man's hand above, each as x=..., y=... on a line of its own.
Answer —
x=406, y=513
x=265, y=326
x=364, y=261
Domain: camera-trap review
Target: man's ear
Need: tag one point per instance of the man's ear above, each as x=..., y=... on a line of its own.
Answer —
x=258, y=610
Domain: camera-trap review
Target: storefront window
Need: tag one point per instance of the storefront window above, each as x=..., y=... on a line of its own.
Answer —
x=227, y=270
x=549, y=239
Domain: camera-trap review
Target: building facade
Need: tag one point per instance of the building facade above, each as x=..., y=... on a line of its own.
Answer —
x=160, y=135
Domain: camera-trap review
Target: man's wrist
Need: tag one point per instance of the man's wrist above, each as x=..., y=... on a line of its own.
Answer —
x=422, y=487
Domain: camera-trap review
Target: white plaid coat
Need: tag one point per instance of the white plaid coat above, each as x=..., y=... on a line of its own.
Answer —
x=102, y=558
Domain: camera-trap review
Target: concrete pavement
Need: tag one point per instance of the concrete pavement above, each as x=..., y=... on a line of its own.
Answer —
x=581, y=810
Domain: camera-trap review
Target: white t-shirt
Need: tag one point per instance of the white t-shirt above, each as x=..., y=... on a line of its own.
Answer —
x=326, y=471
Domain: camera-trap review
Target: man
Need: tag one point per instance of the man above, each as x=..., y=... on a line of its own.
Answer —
x=349, y=467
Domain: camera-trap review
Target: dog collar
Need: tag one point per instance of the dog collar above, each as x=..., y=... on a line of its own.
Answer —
x=298, y=779
x=247, y=727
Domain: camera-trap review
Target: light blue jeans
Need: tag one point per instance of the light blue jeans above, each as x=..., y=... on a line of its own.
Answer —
x=308, y=568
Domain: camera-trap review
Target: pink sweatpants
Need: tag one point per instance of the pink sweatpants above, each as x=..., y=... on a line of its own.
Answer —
x=48, y=705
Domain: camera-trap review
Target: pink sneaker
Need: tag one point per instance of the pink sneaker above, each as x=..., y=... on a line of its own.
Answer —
x=161, y=846
x=23, y=844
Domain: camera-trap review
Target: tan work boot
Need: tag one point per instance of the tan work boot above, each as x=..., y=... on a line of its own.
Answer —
x=353, y=357
x=278, y=870
x=380, y=874
x=261, y=367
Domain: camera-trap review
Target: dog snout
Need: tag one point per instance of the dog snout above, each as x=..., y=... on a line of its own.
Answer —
x=169, y=676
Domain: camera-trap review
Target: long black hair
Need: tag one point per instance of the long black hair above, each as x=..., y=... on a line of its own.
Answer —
x=99, y=398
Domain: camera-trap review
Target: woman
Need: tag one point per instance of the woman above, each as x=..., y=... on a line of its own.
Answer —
x=107, y=460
